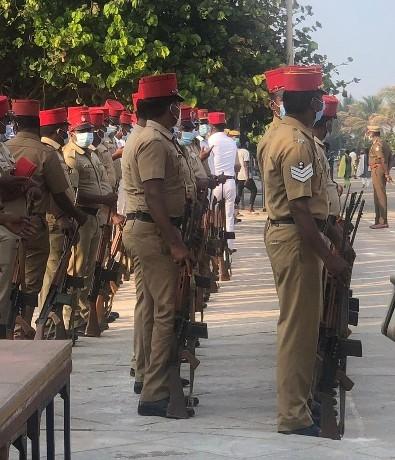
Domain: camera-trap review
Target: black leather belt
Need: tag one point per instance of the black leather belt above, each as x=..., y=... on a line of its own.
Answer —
x=146, y=217
x=90, y=211
x=229, y=177
x=321, y=224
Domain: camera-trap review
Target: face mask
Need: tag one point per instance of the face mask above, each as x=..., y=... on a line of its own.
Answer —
x=84, y=140
x=187, y=138
x=319, y=115
x=203, y=130
x=111, y=129
x=282, y=111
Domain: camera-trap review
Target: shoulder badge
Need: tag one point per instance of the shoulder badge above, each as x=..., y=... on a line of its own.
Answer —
x=302, y=173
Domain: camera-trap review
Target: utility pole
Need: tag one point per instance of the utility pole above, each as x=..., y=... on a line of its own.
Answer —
x=290, y=33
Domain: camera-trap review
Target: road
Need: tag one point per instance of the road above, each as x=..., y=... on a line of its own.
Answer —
x=235, y=382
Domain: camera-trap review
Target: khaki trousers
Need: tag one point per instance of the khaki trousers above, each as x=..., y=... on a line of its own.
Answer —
x=56, y=245
x=298, y=276
x=8, y=253
x=37, y=252
x=83, y=260
x=138, y=360
x=380, y=195
x=160, y=276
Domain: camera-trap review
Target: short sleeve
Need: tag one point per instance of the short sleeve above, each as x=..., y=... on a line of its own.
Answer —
x=54, y=174
x=151, y=160
x=297, y=170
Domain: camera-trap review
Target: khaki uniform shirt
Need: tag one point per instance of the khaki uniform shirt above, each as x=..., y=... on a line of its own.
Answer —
x=193, y=153
x=106, y=158
x=379, y=153
x=333, y=196
x=260, y=154
x=110, y=144
x=7, y=163
x=153, y=154
x=49, y=175
x=292, y=170
x=87, y=171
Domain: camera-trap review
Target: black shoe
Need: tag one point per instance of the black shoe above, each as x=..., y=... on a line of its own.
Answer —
x=312, y=430
x=138, y=387
x=114, y=315
x=185, y=382
x=132, y=372
x=197, y=343
x=154, y=409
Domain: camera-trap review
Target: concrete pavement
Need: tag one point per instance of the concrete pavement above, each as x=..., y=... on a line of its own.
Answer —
x=235, y=382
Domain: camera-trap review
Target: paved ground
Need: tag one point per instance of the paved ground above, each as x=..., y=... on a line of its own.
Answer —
x=235, y=382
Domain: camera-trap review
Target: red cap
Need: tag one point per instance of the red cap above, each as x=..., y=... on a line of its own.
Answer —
x=302, y=78
x=331, y=104
x=135, y=98
x=186, y=113
x=78, y=117
x=114, y=107
x=217, y=118
x=202, y=114
x=125, y=118
x=53, y=116
x=159, y=86
x=275, y=79
x=96, y=115
x=195, y=114
x=4, y=106
x=26, y=107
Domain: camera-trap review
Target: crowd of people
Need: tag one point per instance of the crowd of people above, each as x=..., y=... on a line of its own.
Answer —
x=77, y=169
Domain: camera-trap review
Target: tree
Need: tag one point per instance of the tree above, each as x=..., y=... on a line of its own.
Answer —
x=65, y=52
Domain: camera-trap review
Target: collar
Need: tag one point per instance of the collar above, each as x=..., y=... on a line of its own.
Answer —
x=27, y=135
x=137, y=129
x=319, y=142
x=291, y=121
x=276, y=121
x=51, y=142
x=158, y=127
x=72, y=145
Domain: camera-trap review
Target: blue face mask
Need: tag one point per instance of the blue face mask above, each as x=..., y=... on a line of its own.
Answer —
x=203, y=130
x=320, y=114
x=282, y=111
x=84, y=140
x=187, y=138
x=111, y=129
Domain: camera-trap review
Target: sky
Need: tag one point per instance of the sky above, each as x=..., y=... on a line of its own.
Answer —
x=364, y=30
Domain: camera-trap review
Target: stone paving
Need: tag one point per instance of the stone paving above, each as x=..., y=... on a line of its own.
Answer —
x=235, y=382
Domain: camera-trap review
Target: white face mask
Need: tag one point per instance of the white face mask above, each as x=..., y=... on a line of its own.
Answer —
x=84, y=140
x=111, y=129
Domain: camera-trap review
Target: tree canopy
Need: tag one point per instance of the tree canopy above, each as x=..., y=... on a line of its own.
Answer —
x=65, y=52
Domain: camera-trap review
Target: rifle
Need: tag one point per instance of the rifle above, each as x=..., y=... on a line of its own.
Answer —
x=50, y=321
x=96, y=319
x=187, y=330
x=341, y=310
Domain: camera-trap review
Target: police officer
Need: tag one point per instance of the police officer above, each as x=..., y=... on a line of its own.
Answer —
x=380, y=156
x=297, y=210
x=115, y=108
x=154, y=184
x=53, y=129
x=87, y=177
x=275, y=87
x=12, y=223
x=50, y=179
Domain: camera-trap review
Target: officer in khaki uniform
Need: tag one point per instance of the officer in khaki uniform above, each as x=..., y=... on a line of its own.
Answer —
x=53, y=127
x=380, y=157
x=155, y=188
x=275, y=86
x=320, y=131
x=138, y=355
x=297, y=211
x=87, y=176
x=12, y=226
x=49, y=178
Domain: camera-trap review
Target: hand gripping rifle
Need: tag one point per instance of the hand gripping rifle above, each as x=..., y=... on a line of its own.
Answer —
x=50, y=321
x=96, y=319
x=340, y=311
x=187, y=330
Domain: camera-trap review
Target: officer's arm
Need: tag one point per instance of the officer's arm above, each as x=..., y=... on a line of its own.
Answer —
x=154, y=193
x=64, y=203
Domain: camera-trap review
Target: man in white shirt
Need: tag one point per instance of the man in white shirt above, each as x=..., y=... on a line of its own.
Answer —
x=224, y=151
